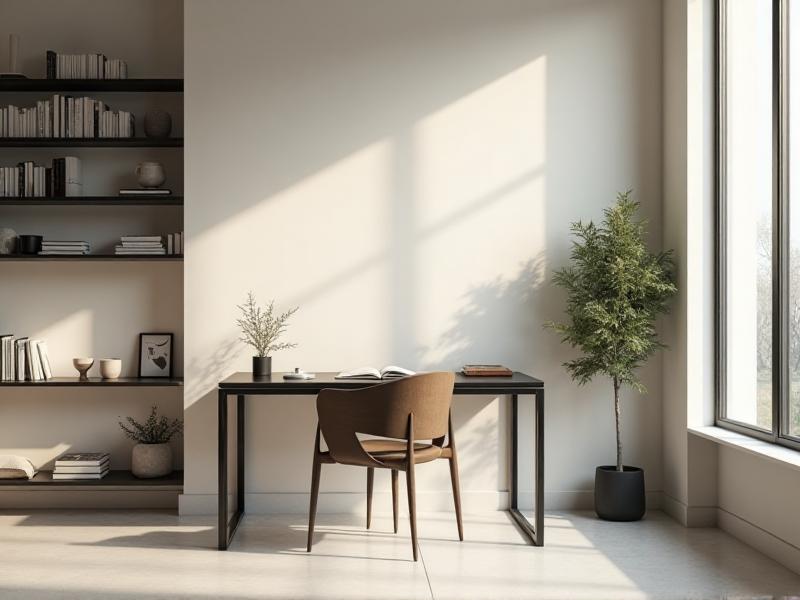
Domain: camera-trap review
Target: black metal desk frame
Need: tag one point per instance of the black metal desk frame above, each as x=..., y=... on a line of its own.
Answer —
x=243, y=384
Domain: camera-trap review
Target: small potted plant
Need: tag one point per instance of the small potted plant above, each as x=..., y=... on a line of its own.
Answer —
x=152, y=455
x=616, y=289
x=261, y=329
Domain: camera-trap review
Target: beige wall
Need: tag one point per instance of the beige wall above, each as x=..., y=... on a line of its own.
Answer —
x=91, y=309
x=406, y=173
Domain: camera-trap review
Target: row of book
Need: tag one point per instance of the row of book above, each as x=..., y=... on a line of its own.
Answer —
x=84, y=66
x=66, y=117
x=23, y=359
x=83, y=465
x=64, y=248
x=140, y=245
x=29, y=180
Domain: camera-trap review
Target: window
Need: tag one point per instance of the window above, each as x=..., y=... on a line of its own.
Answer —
x=759, y=218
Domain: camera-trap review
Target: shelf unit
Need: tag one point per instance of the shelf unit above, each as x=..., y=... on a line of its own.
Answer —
x=118, y=481
x=127, y=200
x=114, y=481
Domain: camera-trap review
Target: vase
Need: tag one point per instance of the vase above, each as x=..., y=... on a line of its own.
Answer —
x=30, y=244
x=157, y=123
x=150, y=174
x=619, y=495
x=151, y=460
x=8, y=240
x=110, y=368
x=262, y=366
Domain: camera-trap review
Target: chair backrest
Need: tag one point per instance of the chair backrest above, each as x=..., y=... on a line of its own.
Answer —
x=383, y=410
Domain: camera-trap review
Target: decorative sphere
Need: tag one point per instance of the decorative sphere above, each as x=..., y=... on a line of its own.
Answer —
x=157, y=123
x=8, y=240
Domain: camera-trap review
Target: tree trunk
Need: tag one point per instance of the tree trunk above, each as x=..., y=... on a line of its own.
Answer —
x=617, y=418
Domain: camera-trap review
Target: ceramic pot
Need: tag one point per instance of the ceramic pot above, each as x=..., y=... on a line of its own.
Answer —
x=619, y=495
x=157, y=123
x=151, y=460
x=262, y=366
x=150, y=174
x=8, y=240
x=30, y=244
x=83, y=365
x=110, y=368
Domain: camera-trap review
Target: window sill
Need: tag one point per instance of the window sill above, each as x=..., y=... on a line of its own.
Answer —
x=780, y=454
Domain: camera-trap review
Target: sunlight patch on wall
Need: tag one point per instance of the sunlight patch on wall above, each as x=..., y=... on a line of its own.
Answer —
x=69, y=337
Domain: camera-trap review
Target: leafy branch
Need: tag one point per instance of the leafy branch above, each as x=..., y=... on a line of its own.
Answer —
x=155, y=430
x=262, y=328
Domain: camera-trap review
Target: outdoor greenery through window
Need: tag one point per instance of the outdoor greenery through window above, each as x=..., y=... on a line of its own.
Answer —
x=759, y=218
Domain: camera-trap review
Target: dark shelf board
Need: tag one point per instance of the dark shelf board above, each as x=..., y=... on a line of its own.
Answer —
x=91, y=85
x=135, y=142
x=98, y=382
x=127, y=200
x=89, y=258
x=115, y=480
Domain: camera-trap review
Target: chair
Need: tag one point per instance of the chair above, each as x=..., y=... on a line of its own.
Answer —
x=411, y=410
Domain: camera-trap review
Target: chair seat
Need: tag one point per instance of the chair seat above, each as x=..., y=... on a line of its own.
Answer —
x=393, y=452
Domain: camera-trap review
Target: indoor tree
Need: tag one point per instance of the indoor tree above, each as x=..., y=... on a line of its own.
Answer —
x=616, y=289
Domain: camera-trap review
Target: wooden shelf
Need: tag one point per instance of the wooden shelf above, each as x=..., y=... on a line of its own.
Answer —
x=115, y=480
x=91, y=85
x=98, y=382
x=135, y=142
x=127, y=200
x=89, y=258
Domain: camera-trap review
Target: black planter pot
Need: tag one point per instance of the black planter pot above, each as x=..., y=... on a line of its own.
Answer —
x=262, y=366
x=29, y=244
x=619, y=495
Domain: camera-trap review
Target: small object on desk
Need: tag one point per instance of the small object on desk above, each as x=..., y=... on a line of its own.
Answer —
x=390, y=372
x=486, y=371
x=299, y=374
x=83, y=365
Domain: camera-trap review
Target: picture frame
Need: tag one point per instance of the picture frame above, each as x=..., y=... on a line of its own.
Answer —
x=156, y=352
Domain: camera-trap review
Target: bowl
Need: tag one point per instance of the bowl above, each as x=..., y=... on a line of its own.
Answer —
x=83, y=365
x=110, y=368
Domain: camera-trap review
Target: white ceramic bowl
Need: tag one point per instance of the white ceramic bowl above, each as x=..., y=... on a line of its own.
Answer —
x=110, y=368
x=82, y=363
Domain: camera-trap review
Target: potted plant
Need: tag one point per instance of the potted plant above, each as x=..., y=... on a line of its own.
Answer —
x=261, y=329
x=616, y=289
x=152, y=455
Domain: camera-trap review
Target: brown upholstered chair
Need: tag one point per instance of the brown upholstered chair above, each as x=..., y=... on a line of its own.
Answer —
x=415, y=411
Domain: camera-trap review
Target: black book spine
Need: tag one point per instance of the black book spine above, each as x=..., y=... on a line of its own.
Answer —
x=51, y=64
x=20, y=179
x=48, y=182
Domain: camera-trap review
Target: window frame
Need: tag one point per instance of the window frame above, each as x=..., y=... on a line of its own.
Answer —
x=780, y=230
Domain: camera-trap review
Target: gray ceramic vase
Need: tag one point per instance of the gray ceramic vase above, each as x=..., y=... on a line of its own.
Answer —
x=151, y=460
x=8, y=240
x=157, y=123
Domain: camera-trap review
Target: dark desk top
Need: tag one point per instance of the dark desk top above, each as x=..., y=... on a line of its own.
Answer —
x=245, y=383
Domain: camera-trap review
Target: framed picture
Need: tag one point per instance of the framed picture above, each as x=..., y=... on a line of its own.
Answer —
x=155, y=354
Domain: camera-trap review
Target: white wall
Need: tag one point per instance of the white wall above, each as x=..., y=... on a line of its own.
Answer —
x=91, y=309
x=406, y=173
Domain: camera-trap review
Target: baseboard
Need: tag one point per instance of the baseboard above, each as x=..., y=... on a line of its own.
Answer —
x=579, y=500
x=345, y=502
x=762, y=540
x=689, y=516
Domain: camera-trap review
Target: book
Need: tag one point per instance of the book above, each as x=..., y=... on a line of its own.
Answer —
x=44, y=358
x=140, y=238
x=486, y=371
x=6, y=357
x=390, y=372
x=82, y=459
x=78, y=476
x=97, y=469
x=144, y=192
x=20, y=362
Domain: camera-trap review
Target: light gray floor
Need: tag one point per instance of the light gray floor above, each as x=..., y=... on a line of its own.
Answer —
x=158, y=555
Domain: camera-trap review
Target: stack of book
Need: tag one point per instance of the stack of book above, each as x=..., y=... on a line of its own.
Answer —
x=66, y=117
x=84, y=465
x=29, y=180
x=23, y=359
x=140, y=245
x=84, y=66
x=64, y=248
x=486, y=371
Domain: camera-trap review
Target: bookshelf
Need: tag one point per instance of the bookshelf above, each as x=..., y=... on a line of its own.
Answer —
x=135, y=142
x=89, y=258
x=91, y=85
x=128, y=200
x=98, y=382
x=114, y=481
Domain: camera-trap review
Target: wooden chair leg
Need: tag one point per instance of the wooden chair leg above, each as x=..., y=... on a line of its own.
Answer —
x=312, y=508
x=394, y=498
x=370, y=481
x=411, y=486
x=454, y=479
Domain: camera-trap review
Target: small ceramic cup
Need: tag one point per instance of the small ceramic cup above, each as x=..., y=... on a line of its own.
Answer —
x=150, y=174
x=110, y=368
x=83, y=365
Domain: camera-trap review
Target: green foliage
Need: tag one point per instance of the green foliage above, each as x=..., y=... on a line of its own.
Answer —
x=616, y=290
x=261, y=328
x=156, y=430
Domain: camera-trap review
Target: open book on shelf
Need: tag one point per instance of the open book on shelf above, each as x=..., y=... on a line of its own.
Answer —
x=390, y=372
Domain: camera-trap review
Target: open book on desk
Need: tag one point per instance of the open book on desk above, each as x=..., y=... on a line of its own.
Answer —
x=390, y=372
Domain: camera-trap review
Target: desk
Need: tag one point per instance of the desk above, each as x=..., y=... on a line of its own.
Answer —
x=244, y=384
